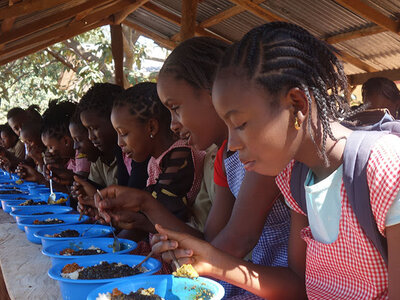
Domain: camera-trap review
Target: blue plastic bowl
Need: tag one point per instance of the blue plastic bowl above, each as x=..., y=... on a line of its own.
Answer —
x=39, y=190
x=104, y=244
x=7, y=203
x=25, y=212
x=31, y=228
x=45, y=196
x=94, y=231
x=166, y=286
x=79, y=289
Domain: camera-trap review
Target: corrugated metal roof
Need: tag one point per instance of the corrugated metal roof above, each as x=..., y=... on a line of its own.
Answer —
x=321, y=18
x=209, y=8
x=157, y=24
x=390, y=8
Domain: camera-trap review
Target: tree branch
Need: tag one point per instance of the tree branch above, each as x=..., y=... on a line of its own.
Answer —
x=62, y=60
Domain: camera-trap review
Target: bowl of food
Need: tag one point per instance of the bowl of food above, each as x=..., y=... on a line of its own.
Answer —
x=85, y=247
x=17, y=200
x=34, y=224
x=37, y=210
x=78, y=278
x=54, y=235
x=61, y=198
x=159, y=287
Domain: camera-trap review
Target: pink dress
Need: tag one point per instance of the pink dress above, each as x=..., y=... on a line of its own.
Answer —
x=351, y=267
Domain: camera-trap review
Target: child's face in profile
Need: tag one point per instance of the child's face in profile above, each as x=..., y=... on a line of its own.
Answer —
x=260, y=131
x=7, y=141
x=16, y=123
x=100, y=130
x=82, y=142
x=61, y=148
x=193, y=116
x=133, y=135
x=33, y=144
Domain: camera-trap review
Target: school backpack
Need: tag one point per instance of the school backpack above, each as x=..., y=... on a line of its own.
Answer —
x=355, y=159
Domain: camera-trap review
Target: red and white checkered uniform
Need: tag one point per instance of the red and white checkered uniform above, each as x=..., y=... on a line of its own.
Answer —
x=351, y=267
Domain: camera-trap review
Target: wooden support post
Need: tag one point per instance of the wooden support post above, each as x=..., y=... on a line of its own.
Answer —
x=188, y=25
x=118, y=53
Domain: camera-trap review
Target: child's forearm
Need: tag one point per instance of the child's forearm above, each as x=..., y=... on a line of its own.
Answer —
x=266, y=282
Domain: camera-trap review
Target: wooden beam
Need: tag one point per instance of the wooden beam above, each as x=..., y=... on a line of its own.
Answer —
x=117, y=49
x=257, y=10
x=356, y=62
x=74, y=26
x=29, y=7
x=120, y=16
x=49, y=21
x=170, y=17
x=354, y=34
x=151, y=35
x=188, y=25
x=54, y=40
x=357, y=79
x=226, y=14
x=362, y=9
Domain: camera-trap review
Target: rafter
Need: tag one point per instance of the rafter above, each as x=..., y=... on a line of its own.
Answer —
x=120, y=16
x=49, y=21
x=257, y=10
x=28, y=7
x=98, y=15
x=54, y=40
x=188, y=24
x=342, y=37
x=357, y=79
x=154, y=36
x=362, y=9
x=226, y=14
x=170, y=17
x=357, y=62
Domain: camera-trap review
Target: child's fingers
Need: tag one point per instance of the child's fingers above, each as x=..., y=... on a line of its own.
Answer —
x=164, y=246
x=157, y=238
x=172, y=235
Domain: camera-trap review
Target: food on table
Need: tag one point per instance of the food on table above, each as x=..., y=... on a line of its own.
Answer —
x=59, y=201
x=19, y=181
x=31, y=202
x=48, y=221
x=12, y=192
x=104, y=270
x=81, y=155
x=92, y=250
x=186, y=270
x=140, y=294
x=65, y=233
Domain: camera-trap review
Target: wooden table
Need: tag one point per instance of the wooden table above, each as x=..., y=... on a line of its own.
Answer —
x=23, y=265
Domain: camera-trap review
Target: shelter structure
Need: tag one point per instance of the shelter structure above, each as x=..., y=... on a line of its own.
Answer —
x=365, y=31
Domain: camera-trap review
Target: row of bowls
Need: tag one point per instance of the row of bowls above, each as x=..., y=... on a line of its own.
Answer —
x=166, y=286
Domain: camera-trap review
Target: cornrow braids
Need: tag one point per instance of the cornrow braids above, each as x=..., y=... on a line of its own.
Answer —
x=56, y=119
x=279, y=56
x=100, y=98
x=143, y=102
x=195, y=61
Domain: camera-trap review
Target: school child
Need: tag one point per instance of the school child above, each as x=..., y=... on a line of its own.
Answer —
x=279, y=91
x=12, y=143
x=186, y=94
x=17, y=117
x=56, y=137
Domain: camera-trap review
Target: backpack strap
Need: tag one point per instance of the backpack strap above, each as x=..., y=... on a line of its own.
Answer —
x=355, y=159
x=297, y=179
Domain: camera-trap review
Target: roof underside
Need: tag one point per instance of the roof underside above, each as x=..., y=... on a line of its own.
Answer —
x=365, y=31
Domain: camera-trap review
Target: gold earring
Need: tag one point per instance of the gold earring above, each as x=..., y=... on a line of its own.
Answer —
x=296, y=124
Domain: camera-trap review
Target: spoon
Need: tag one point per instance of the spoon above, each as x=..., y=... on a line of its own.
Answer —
x=116, y=243
x=52, y=197
x=143, y=261
x=87, y=229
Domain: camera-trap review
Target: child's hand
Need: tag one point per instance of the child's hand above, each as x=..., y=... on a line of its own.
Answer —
x=83, y=191
x=120, y=198
x=61, y=175
x=187, y=249
x=28, y=173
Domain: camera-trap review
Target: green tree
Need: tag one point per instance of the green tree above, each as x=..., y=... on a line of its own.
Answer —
x=66, y=70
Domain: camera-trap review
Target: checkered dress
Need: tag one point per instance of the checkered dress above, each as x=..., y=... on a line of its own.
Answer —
x=271, y=249
x=351, y=267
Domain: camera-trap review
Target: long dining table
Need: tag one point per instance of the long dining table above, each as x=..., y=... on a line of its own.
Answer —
x=23, y=266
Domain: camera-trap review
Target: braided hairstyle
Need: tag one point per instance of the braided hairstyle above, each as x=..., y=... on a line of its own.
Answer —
x=100, y=98
x=56, y=119
x=143, y=102
x=195, y=60
x=32, y=112
x=279, y=56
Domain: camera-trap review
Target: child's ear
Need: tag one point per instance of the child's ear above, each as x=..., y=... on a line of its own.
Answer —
x=67, y=141
x=299, y=102
x=153, y=127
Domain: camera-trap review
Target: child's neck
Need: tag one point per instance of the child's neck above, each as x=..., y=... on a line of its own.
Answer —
x=334, y=152
x=162, y=144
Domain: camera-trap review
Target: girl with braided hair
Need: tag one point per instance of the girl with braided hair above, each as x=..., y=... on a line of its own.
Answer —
x=282, y=93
